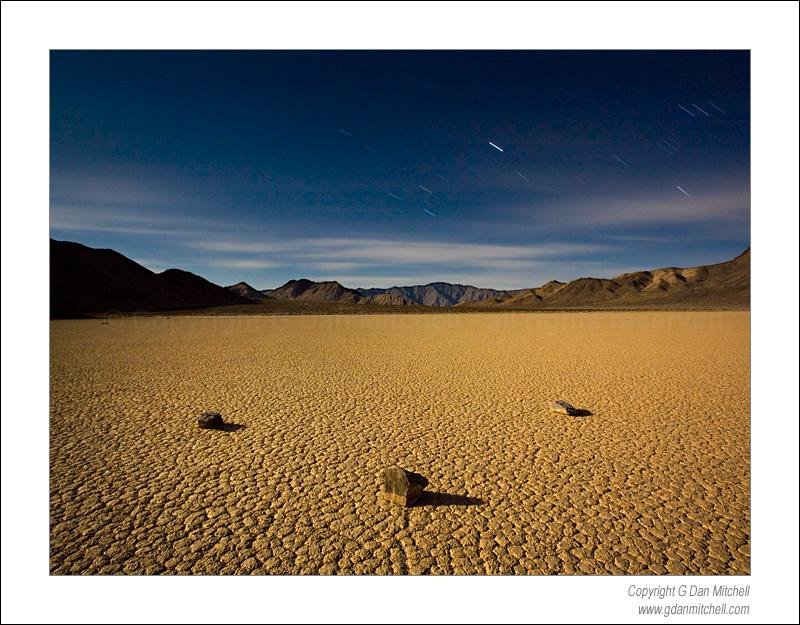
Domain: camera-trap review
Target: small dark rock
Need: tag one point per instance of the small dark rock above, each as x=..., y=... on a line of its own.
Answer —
x=402, y=487
x=210, y=420
x=563, y=407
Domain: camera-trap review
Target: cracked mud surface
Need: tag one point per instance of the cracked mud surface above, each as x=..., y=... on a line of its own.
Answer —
x=654, y=481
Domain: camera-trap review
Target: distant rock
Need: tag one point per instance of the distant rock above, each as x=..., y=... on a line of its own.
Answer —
x=210, y=420
x=402, y=487
x=563, y=407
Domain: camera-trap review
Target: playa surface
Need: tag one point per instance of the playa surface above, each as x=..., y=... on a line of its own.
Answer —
x=656, y=480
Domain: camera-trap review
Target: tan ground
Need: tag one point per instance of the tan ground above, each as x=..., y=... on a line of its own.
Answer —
x=656, y=480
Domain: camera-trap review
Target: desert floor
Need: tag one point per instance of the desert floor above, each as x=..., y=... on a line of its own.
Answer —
x=655, y=481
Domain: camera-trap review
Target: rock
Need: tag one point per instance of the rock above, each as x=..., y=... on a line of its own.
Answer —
x=210, y=420
x=402, y=487
x=563, y=407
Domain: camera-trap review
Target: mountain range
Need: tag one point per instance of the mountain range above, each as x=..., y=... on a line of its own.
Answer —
x=722, y=285
x=88, y=282
x=433, y=294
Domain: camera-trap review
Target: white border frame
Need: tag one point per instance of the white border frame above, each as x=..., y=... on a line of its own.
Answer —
x=30, y=30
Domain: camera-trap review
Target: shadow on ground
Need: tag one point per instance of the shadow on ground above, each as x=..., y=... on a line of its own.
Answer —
x=230, y=427
x=429, y=498
x=580, y=412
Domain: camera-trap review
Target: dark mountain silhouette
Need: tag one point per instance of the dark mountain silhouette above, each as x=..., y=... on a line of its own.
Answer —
x=87, y=282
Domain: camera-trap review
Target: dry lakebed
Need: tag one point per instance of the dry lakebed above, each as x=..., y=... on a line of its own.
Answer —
x=652, y=478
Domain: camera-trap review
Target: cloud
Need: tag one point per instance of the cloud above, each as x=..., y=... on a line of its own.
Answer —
x=382, y=262
x=667, y=206
x=235, y=246
x=117, y=221
x=635, y=238
x=420, y=252
x=713, y=206
x=393, y=251
x=129, y=205
x=242, y=263
x=718, y=208
x=338, y=266
x=121, y=192
x=366, y=262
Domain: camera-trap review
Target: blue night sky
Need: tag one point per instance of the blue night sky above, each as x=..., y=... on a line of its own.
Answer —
x=376, y=169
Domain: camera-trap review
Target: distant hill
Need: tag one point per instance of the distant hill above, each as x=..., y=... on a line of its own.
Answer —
x=86, y=282
x=438, y=293
x=245, y=290
x=308, y=291
x=723, y=285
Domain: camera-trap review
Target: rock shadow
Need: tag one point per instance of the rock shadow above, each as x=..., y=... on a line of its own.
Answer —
x=433, y=499
x=229, y=427
x=582, y=412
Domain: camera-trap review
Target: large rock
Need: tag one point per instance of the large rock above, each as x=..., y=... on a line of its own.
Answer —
x=563, y=407
x=210, y=420
x=402, y=487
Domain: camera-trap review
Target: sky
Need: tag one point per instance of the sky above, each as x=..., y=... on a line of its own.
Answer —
x=381, y=168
